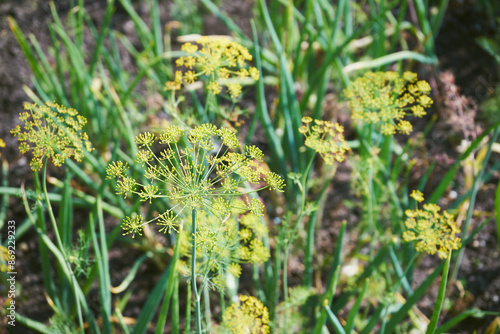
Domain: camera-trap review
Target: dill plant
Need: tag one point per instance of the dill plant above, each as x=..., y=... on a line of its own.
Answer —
x=54, y=132
x=325, y=138
x=382, y=104
x=201, y=172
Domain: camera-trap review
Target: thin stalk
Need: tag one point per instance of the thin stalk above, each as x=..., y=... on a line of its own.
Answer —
x=440, y=298
x=197, y=297
x=59, y=241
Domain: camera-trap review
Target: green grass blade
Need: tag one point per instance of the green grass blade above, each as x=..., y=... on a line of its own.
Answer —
x=33, y=324
x=132, y=274
x=103, y=32
x=334, y=320
x=225, y=19
x=399, y=271
x=399, y=316
x=102, y=277
x=445, y=328
x=142, y=29
x=55, y=88
x=389, y=59
x=172, y=278
x=27, y=50
x=261, y=109
x=349, y=326
x=332, y=282
x=437, y=19
x=149, y=308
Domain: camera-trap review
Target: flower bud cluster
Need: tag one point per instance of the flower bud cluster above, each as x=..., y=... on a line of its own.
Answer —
x=220, y=60
x=385, y=98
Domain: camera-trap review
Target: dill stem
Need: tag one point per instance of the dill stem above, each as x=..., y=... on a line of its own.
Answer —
x=59, y=242
x=193, y=275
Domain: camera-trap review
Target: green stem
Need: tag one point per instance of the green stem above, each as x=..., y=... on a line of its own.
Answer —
x=303, y=189
x=440, y=298
x=59, y=241
x=197, y=297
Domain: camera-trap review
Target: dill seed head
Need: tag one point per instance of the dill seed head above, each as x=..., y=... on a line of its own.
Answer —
x=193, y=176
x=432, y=230
x=385, y=98
x=52, y=131
x=220, y=60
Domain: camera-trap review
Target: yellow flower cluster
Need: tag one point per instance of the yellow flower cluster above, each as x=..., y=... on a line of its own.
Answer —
x=432, y=230
x=2, y=144
x=248, y=316
x=251, y=233
x=54, y=132
x=385, y=98
x=195, y=177
x=326, y=138
x=220, y=247
x=220, y=60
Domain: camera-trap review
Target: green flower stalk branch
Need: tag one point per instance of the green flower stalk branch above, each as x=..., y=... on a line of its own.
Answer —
x=326, y=139
x=200, y=170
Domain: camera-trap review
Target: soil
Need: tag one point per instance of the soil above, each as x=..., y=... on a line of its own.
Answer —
x=474, y=71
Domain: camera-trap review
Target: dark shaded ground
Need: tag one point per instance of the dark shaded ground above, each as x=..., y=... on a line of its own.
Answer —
x=474, y=70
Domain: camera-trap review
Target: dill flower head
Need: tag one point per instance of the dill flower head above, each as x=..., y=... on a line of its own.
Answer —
x=248, y=315
x=433, y=231
x=326, y=138
x=2, y=144
x=220, y=60
x=52, y=131
x=206, y=173
x=385, y=98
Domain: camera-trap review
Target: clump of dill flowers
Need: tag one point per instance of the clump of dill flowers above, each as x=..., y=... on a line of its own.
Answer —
x=220, y=60
x=326, y=138
x=247, y=316
x=386, y=98
x=206, y=171
x=221, y=247
x=433, y=231
x=2, y=144
x=51, y=131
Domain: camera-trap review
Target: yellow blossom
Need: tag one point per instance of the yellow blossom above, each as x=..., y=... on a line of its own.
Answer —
x=52, y=131
x=248, y=316
x=385, y=99
x=219, y=60
x=326, y=138
x=432, y=230
x=417, y=195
